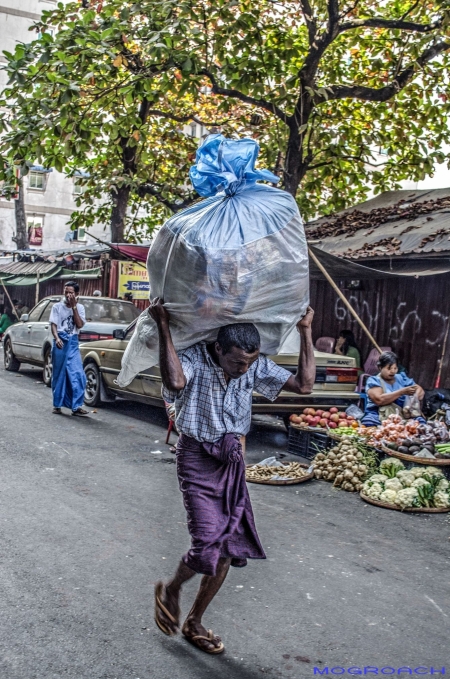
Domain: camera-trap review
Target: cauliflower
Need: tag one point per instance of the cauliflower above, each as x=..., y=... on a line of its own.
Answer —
x=406, y=497
x=442, y=485
x=417, y=471
x=420, y=482
x=374, y=491
x=434, y=471
x=377, y=478
x=441, y=499
x=391, y=466
x=393, y=484
x=405, y=477
x=388, y=496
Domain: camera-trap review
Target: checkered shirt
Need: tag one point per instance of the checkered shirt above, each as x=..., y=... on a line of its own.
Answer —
x=208, y=407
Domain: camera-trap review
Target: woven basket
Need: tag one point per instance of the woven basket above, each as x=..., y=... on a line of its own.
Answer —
x=291, y=482
x=419, y=460
x=424, y=510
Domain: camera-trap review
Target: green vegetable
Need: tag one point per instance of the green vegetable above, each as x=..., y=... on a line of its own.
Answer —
x=391, y=466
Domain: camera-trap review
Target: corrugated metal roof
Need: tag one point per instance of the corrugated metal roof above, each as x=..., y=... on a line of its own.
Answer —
x=30, y=279
x=377, y=228
x=28, y=268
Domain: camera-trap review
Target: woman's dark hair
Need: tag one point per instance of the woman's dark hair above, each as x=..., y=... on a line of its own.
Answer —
x=72, y=284
x=241, y=335
x=350, y=341
x=9, y=312
x=386, y=359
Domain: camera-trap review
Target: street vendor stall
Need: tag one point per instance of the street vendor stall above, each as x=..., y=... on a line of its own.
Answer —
x=400, y=464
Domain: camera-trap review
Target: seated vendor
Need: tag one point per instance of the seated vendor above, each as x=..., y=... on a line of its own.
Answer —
x=346, y=346
x=387, y=388
x=6, y=320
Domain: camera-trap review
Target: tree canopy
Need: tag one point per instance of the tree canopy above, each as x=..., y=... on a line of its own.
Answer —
x=324, y=85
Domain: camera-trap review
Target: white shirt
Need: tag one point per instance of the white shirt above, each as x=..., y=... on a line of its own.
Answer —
x=62, y=316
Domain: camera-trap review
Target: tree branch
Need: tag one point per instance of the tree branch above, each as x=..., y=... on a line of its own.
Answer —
x=307, y=73
x=262, y=103
x=186, y=119
x=378, y=22
x=333, y=14
x=389, y=91
x=156, y=191
x=310, y=20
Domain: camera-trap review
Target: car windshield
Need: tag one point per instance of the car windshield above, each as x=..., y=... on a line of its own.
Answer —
x=109, y=311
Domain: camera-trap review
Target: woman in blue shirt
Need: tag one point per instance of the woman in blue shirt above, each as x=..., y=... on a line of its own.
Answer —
x=388, y=387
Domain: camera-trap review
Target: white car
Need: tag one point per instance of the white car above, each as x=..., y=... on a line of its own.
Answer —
x=31, y=340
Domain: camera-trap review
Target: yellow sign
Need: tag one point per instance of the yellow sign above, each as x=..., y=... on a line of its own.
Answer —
x=133, y=278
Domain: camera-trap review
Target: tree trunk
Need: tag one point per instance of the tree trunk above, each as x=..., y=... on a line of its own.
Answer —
x=293, y=167
x=298, y=158
x=118, y=213
x=21, y=237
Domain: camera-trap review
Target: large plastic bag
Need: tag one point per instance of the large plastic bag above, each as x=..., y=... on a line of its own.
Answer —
x=238, y=256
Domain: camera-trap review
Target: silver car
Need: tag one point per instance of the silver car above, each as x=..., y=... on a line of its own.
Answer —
x=31, y=340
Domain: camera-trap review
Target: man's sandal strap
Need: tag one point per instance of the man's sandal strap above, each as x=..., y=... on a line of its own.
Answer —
x=160, y=608
x=164, y=610
x=210, y=638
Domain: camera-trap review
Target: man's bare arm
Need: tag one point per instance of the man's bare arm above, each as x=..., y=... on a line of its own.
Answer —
x=169, y=364
x=303, y=381
x=58, y=340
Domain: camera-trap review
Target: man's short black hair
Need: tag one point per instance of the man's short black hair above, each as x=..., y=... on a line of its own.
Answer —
x=72, y=284
x=241, y=335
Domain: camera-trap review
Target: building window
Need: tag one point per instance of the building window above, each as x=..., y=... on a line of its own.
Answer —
x=79, y=234
x=79, y=187
x=36, y=181
x=193, y=130
x=35, y=229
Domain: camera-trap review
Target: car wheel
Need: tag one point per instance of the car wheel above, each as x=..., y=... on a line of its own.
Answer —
x=92, y=394
x=47, y=368
x=11, y=362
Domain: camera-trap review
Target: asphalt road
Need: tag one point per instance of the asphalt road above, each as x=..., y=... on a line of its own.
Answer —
x=91, y=517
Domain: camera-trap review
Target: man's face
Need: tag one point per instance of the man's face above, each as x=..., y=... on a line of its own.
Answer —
x=68, y=292
x=236, y=362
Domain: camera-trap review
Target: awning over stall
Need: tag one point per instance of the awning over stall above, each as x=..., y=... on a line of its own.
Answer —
x=340, y=268
x=26, y=273
x=85, y=274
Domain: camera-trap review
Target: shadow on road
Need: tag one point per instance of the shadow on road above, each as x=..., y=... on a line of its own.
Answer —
x=223, y=666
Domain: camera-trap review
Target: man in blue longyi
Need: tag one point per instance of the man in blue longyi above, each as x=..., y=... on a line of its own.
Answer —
x=68, y=378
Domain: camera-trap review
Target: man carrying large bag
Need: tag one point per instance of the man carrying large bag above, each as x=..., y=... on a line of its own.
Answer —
x=211, y=385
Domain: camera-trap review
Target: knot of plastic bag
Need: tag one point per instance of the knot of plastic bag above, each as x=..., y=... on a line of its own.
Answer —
x=227, y=165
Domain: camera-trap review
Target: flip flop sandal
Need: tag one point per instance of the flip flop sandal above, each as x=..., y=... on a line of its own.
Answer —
x=160, y=608
x=80, y=412
x=211, y=638
x=57, y=411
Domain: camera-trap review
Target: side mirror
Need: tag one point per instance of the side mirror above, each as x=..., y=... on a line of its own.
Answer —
x=119, y=334
x=24, y=318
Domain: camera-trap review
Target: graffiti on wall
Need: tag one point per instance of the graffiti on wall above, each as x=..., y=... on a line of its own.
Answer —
x=406, y=324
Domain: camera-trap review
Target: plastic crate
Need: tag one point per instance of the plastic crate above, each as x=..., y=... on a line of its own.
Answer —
x=307, y=443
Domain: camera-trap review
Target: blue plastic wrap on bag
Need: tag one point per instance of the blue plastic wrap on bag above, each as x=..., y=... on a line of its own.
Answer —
x=240, y=255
